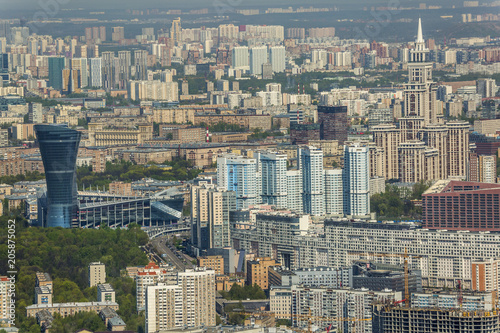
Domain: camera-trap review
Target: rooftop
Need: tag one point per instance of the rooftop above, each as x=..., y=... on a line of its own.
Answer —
x=70, y=305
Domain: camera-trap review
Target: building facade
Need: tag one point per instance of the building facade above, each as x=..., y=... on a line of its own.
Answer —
x=59, y=148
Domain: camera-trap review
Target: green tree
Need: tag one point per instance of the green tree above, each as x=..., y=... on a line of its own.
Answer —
x=87, y=320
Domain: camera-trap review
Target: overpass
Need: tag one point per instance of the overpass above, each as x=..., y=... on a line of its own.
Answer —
x=154, y=232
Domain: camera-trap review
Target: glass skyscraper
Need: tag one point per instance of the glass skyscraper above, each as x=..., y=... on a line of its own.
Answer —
x=59, y=149
x=56, y=66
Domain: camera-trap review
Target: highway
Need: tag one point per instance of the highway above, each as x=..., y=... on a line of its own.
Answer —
x=171, y=256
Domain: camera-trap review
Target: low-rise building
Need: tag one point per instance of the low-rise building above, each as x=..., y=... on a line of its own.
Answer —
x=105, y=293
x=70, y=309
x=215, y=263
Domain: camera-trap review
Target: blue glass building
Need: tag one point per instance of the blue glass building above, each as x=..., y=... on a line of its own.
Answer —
x=56, y=66
x=59, y=149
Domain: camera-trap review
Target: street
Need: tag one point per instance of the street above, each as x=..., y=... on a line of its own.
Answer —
x=174, y=257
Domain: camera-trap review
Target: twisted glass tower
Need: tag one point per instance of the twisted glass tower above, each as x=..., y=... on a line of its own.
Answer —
x=59, y=149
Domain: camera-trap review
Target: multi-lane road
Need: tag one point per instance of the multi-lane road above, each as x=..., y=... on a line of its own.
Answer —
x=176, y=258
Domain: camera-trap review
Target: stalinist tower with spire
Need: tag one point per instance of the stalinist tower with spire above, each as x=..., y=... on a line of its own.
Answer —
x=419, y=93
x=423, y=147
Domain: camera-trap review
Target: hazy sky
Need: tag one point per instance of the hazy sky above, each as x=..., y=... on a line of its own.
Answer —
x=134, y=4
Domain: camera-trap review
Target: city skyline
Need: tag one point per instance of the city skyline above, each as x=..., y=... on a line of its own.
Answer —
x=223, y=166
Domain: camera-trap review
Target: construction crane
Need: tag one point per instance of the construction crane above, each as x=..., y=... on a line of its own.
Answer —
x=460, y=296
x=406, y=271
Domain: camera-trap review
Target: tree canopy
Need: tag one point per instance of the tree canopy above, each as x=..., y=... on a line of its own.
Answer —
x=392, y=204
x=129, y=172
x=238, y=292
x=65, y=254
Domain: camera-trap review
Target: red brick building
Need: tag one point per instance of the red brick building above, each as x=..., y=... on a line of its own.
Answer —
x=460, y=205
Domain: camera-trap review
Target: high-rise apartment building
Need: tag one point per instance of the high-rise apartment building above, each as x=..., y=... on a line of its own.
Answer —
x=311, y=166
x=149, y=275
x=59, y=149
x=176, y=31
x=105, y=293
x=258, y=57
x=95, y=72
x=277, y=58
x=273, y=168
x=97, y=273
x=486, y=87
x=485, y=275
x=163, y=307
x=190, y=302
x=108, y=70
x=239, y=174
x=387, y=137
x=141, y=64
x=35, y=113
x=122, y=70
x=294, y=191
x=80, y=66
x=210, y=208
x=240, y=57
x=5, y=290
x=458, y=148
x=487, y=168
x=334, y=198
x=118, y=33
x=356, y=180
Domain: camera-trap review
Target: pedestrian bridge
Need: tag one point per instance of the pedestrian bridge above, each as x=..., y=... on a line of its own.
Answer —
x=158, y=231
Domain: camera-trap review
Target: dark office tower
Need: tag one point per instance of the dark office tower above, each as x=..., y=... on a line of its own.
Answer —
x=333, y=122
x=56, y=66
x=4, y=62
x=59, y=149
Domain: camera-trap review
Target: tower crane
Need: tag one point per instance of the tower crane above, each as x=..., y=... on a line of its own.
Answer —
x=406, y=271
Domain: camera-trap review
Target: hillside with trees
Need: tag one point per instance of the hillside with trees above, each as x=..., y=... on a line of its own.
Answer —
x=65, y=254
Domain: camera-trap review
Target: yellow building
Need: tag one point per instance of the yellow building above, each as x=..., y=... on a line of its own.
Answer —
x=225, y=283
x=97, y=273
x=215, y=263
x=69, y=309
x=257, y=271
x=99, y=135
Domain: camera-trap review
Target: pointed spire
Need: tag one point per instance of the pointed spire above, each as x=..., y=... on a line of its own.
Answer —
x=420, y=38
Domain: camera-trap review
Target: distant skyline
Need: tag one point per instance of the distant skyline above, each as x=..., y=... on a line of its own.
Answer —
x=30, y=5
